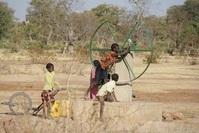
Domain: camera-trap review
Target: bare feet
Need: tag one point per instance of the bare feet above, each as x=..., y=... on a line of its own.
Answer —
x=86, y=98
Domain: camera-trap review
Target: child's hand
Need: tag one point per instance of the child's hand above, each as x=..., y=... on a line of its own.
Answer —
x=129, y=48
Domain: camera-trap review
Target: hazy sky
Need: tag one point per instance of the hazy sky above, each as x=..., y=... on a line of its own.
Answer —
x=155, y=7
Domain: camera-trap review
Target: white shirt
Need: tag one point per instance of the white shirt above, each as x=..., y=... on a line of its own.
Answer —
x=108, y=87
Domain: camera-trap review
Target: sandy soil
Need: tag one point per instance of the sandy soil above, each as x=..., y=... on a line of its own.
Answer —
x=174, y=85
x=178, y=83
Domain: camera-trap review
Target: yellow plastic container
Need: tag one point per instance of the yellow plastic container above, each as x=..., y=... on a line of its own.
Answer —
x=61, y=108
x=55, y=109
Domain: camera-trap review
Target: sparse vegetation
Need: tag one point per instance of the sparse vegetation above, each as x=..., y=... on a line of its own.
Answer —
x=56, y=26
x=53, y=32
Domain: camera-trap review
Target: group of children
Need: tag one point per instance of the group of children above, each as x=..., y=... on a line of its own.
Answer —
x=102, y=84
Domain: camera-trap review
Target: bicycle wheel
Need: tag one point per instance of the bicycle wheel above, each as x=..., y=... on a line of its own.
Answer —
x=20, y=103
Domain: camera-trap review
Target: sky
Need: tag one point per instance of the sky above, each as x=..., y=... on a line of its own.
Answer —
x=155, y=7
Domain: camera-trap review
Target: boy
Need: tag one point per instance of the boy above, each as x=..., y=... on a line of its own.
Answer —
x=106, y=93
x=116, y=55
x=49, y=85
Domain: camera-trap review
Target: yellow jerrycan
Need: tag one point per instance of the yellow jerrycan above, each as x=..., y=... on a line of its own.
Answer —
x=61, y=108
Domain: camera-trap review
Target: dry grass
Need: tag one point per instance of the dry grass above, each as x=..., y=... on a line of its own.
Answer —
x=119, y=118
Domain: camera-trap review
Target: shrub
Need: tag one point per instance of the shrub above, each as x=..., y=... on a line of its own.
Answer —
x=193, y=61
x=158, y=50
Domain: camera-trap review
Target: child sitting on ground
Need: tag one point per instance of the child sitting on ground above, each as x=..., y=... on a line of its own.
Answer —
x=49, y=85
x=106, y=93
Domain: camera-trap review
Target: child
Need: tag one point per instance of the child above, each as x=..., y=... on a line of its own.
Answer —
x=110, y=59
x=106, y=93
x=93, y=88
x=50, y=84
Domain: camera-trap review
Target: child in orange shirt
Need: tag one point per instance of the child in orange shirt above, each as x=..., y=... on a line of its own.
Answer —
x=110, y=59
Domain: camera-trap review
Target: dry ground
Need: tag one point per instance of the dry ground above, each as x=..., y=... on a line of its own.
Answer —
x=173, y=84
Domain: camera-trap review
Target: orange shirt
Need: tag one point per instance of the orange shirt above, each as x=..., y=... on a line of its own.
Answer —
x=108, y=60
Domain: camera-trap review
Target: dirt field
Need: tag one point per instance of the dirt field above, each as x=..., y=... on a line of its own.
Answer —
x=173, y=84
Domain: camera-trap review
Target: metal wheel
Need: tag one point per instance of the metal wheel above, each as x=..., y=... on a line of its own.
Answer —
x=20, y=103
x=138, y=38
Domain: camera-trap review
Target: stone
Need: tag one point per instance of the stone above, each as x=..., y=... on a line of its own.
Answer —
x=169, y=116
x=124, y=92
